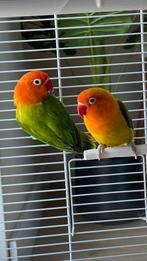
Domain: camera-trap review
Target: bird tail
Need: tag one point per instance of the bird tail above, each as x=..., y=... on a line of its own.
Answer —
x=85, y=142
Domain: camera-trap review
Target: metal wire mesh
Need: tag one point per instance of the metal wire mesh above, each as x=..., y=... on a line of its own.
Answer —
x=46, y=195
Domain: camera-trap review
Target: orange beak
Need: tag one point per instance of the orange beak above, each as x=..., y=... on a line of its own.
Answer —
x=82, y=109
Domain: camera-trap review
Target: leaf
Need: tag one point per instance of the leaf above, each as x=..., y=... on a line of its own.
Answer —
x=90, y=25
x=100, y=27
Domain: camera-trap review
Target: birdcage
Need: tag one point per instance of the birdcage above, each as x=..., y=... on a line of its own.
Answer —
x=54, y=205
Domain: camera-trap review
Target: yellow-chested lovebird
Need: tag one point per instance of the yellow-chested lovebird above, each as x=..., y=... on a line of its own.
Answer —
x=44, y=117
x=106, y=118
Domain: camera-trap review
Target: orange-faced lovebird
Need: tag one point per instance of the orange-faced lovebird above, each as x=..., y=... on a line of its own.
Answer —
x=106, y=119
x=44, y=117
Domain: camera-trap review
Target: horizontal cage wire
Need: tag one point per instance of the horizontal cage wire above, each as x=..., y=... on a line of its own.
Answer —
x=53, y=205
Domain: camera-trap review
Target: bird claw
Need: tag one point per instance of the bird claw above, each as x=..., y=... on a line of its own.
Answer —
x=100, y=149
x=133, y=149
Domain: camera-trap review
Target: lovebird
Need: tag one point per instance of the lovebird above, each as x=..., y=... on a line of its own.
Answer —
x=106, y=119
x=44, y=117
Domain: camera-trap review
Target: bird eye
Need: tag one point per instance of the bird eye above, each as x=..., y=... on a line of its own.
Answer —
x=92, y=100
x=37, y=82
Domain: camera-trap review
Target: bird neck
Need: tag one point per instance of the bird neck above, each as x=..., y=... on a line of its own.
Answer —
x=25, y=96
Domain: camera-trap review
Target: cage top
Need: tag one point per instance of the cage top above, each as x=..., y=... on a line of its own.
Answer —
x=17, y=8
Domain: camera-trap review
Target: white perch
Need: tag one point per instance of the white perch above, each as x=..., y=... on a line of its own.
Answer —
x=116, y=152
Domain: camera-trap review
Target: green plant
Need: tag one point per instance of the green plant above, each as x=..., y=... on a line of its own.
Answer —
x=88, y=29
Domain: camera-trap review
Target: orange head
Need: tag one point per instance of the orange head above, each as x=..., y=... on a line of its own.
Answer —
x=32, y=87
x=96, y=102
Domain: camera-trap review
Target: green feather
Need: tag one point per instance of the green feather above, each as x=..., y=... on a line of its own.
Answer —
x=125, y=113
x=50, y=123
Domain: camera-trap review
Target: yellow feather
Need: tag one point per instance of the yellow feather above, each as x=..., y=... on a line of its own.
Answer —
x=104, y=119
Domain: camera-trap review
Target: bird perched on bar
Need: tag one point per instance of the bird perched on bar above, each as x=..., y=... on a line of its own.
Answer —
x=106, y=119
x=44, y=117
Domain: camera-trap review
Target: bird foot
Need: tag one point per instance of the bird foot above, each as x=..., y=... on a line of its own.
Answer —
x=133, y=148
x=100, y=149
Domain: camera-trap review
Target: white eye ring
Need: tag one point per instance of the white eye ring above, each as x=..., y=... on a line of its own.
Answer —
x=92, y=100
x=37, y=81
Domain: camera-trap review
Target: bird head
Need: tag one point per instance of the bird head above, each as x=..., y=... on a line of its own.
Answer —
x=95, y=101
x=32, y=87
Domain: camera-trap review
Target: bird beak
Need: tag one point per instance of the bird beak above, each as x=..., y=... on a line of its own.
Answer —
x=82, y=109
x=49, y=85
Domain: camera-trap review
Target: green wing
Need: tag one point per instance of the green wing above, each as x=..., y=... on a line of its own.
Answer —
x=59, y=121
x=125, y=113
x=50, y=123
x=31, y=121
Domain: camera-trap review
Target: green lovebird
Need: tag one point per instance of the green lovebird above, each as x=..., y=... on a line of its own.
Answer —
x=44, y=117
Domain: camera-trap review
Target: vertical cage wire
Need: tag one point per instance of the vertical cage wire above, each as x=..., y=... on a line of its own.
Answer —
x=2, y=226
x=143, y=67
x=64, y=153
x=144, y=91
